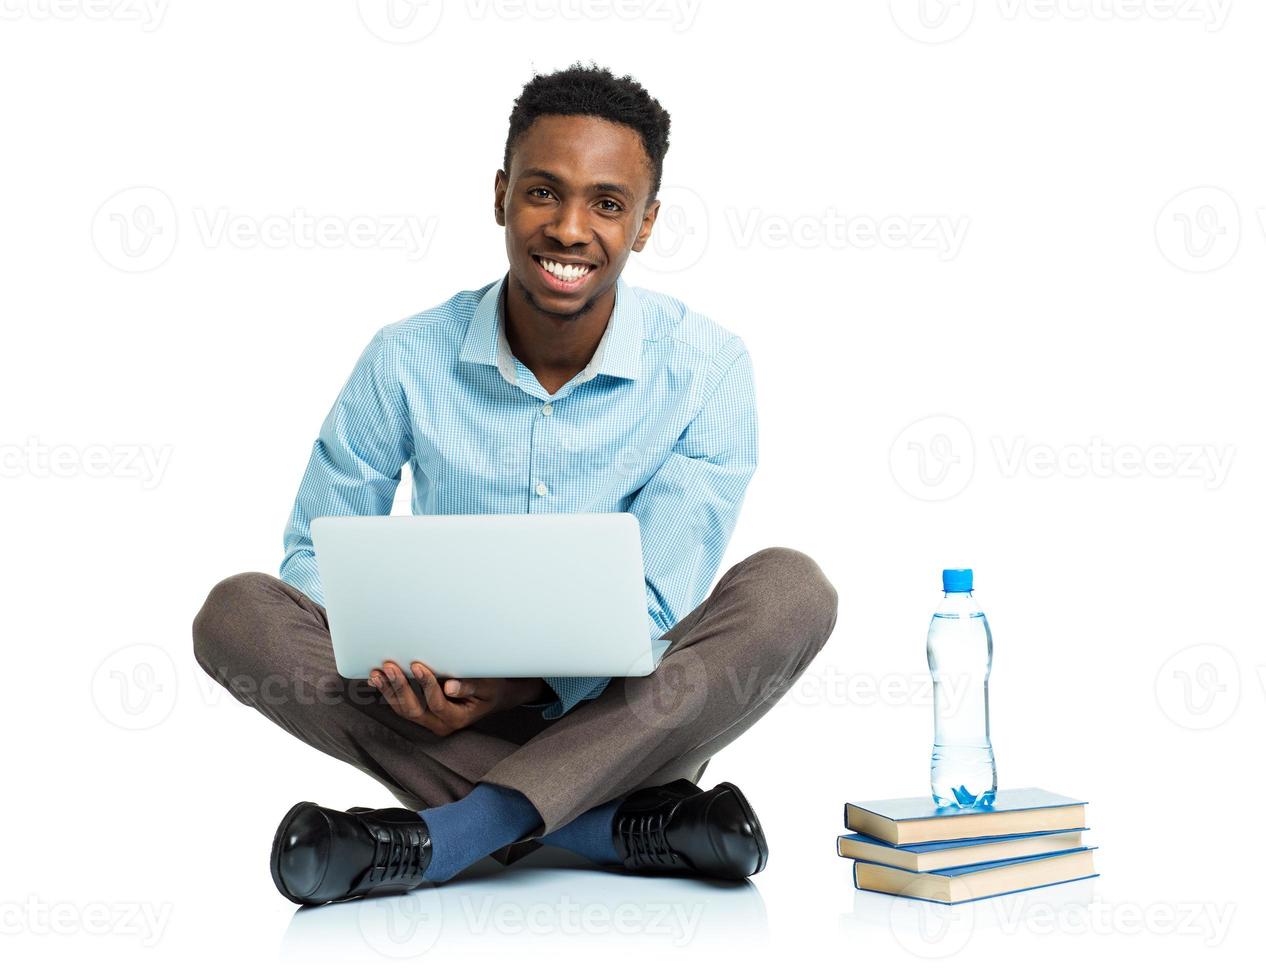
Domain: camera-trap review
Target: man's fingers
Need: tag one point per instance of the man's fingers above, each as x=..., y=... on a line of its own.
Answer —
x=455, y=688
x=433, y=711
x=398, y=693
x=435, y=698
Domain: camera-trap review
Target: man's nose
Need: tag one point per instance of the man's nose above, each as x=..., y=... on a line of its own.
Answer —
x=570, y=225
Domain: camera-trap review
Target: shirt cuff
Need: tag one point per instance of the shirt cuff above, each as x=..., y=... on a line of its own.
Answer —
x=571, y=691
x=300, y=570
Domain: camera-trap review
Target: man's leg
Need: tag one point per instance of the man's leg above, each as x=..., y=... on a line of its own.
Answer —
x=732, y=658
x=269, y=645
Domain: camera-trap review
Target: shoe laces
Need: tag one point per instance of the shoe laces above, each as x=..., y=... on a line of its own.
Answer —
x=399, y=853
x=645, y=838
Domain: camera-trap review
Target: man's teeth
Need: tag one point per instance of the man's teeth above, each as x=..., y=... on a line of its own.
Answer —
x=568, y=273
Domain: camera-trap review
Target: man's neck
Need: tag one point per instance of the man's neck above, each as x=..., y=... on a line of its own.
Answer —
x=554, y=348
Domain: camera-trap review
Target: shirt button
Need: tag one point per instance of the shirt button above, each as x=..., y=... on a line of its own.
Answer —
x=541, y=489
x=547, y=409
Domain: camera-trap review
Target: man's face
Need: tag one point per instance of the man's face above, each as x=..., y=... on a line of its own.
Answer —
x=576, y=193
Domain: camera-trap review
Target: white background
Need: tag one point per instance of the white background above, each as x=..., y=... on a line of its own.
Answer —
x=1046, y=368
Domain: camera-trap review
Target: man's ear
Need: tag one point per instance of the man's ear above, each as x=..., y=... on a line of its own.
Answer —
x=648, y=222
x=499, y=185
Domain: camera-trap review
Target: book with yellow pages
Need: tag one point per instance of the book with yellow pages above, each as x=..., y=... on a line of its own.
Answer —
x=950, y=886
x=936, y=855
x=918, y=820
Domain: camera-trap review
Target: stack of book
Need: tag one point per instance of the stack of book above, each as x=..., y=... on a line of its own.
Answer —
x=1028, y=838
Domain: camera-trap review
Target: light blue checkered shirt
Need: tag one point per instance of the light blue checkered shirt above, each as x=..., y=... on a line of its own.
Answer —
x=661, y=423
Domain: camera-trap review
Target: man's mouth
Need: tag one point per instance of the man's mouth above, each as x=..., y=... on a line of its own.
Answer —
x=564, y=277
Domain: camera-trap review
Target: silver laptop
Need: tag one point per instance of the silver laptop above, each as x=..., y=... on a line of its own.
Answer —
x=488, y=595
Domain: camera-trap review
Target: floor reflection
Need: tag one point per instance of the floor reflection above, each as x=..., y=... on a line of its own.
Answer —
x=549, y=896
x=934, y=931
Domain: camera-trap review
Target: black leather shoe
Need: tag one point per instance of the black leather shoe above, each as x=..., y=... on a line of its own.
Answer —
x=679, y=828
x=321, y=855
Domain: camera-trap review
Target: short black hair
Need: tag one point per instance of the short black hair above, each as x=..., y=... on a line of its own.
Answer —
x=593, y=91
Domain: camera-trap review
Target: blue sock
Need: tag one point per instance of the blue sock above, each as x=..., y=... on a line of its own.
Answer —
x=589, y=835
x=487, y=818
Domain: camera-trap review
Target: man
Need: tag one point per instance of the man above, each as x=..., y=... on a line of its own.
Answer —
x=560, y=388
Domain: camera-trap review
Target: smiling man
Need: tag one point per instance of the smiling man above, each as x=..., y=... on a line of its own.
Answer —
x=558, y=388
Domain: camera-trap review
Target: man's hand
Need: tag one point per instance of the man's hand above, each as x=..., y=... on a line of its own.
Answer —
x=444, y=709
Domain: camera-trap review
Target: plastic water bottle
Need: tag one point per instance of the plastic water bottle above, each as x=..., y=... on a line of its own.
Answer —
x=960, y=655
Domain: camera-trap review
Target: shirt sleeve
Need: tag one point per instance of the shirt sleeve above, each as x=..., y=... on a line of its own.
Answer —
x=355, y=463
x=688, y=509
x=570, y=692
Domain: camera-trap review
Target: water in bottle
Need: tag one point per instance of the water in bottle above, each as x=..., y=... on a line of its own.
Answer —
x=960, y=655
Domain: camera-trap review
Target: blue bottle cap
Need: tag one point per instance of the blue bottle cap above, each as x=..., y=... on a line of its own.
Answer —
x=956, y=580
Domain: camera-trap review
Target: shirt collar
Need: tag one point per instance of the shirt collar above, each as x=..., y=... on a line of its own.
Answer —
x=619, y=353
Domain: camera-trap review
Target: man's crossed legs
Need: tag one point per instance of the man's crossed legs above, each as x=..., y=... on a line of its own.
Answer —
x=613, y=779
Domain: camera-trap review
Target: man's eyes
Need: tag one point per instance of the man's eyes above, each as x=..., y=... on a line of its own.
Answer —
x=617, y=206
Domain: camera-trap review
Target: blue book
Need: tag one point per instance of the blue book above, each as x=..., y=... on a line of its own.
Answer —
x=936, y=855
x=917, y=819
x=950, y=886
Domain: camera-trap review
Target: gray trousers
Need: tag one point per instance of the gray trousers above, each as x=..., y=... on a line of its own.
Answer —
x=732, y=658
